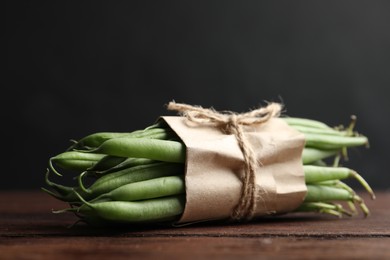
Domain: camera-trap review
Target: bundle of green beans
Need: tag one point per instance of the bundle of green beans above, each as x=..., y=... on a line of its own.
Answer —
x=138, y=177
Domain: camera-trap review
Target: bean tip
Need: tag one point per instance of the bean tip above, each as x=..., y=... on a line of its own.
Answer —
x=362, y=205
x=363, y=182
x=81, y=184
x=51, y=166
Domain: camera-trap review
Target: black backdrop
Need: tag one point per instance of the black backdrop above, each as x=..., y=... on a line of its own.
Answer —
x=74, y=68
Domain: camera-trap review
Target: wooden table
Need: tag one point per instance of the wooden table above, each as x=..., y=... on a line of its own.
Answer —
x=28, y=230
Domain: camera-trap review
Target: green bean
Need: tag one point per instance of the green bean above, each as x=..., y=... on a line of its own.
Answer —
x=342, y=185
x=148, y=189
x=133, y=166
x=323, y=207
x=153, y=210
x=311, y=155
x=64, y=197
x=139, y=175
x=319, y=163
x=323, y=193
x=111, y=181
x=296, y=121
x=322, y=131
x=161, y=150
x=127, y=163
x=315, y=174
x=134, y=174
x=106, y=163
x=334, y=142
x=96, y=139
x=63, y=193
x=74, y=160
x=335, y=183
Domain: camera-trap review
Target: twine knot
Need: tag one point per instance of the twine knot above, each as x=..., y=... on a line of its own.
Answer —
x=233, y=123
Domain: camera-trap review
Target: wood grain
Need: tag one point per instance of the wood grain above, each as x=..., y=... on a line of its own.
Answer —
x=28, y=230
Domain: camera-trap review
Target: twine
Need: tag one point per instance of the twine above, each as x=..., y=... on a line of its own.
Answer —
x=232, y=123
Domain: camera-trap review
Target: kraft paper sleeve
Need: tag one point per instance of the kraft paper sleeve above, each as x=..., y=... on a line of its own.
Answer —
x=214, y=164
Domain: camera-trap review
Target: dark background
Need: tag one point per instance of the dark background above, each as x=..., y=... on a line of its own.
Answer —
x=75, y=68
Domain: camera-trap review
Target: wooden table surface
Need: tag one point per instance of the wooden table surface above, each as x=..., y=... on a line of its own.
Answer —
x=28, y=230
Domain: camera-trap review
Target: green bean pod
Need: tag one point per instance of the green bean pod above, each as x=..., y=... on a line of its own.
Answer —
x=324, y=193
x=311, y=155
x=127, y=163
x=148, y=189
x=106, y=163
x=96, y=139
x=74, y=160
x=323, y=207
x=62, y=192
x=296, y=121
x=316, y=174
x=152, y=210
x=321, y=131
x=134, y=174
x=334, y=142
x=161, y=150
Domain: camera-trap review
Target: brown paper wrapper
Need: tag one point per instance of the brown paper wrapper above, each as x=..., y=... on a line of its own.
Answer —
x=214, y=164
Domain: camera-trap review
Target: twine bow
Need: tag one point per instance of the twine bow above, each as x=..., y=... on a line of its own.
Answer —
x=232, y=123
